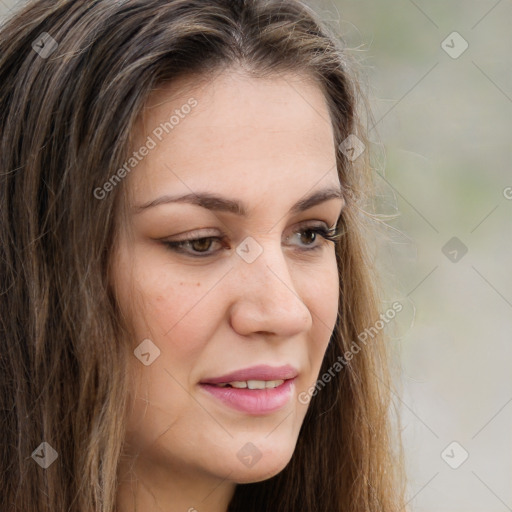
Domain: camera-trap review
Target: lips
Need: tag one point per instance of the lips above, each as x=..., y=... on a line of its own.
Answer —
x=257, y=390
x=255, y=373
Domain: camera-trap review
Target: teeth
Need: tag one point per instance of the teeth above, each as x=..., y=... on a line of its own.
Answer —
x=273, y=383
x=256, y=384
x=252, y=384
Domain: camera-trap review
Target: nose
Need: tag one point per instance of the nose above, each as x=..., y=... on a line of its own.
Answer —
x=264, y=296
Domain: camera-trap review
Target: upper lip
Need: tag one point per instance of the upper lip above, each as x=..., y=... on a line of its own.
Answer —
x=259, y=372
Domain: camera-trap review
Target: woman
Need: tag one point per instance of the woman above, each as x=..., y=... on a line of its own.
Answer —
x=184, y=276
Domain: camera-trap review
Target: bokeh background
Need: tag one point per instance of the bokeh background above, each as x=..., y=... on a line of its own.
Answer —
x=439, y=80
x=443, y=144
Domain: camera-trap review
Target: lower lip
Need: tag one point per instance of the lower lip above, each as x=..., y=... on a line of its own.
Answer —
x=254, y=401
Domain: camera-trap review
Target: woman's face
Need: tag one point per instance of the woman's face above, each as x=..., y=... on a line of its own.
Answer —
x=260, y=298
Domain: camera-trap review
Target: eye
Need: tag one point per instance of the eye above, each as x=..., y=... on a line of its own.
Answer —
x=308, y=236
x=199, y=247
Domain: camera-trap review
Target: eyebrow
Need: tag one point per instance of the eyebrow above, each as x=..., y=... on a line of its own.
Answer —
x=218, y=203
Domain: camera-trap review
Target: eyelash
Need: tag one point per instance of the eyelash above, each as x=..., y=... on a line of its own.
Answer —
x=332, y=235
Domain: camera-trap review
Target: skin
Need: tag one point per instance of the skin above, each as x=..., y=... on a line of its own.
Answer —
x=269, y=143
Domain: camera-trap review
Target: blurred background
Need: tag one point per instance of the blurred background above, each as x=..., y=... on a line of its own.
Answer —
x=440, y=87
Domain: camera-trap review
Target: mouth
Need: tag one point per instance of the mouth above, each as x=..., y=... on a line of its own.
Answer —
x=256, y=391
x=250, y=384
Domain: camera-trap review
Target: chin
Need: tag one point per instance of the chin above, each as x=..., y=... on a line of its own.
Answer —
x=272, y=462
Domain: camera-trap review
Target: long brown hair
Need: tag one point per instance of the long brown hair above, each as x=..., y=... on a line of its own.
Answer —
x=68, y=107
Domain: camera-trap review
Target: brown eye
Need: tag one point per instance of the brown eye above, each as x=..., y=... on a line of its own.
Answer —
x=201, y=244
x=195, y=247
x=312, y=236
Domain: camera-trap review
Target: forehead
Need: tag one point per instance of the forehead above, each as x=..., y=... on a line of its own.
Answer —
x=233, y=132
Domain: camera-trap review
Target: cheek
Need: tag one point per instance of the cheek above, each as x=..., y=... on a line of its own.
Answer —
x=177, y=317
x=163, y=301
x=171, y=310
x=320, y=292
x=180, y=313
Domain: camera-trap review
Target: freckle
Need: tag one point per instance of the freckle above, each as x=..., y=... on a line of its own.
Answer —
x=198, y=284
